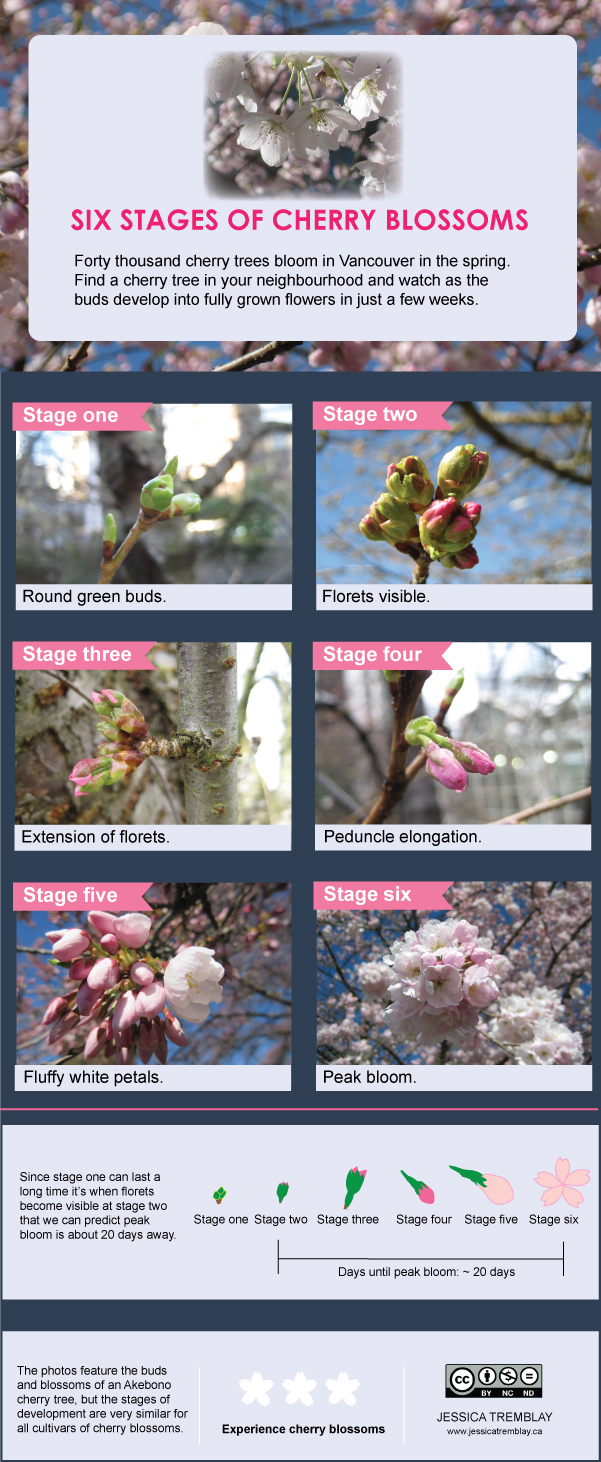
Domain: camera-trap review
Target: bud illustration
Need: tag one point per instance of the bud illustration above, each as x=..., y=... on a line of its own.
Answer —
x=281, y=1191
x=461, y=471
x=497, y=1189
x=354, y=1184
x=219, y=1194
x=424, y=1193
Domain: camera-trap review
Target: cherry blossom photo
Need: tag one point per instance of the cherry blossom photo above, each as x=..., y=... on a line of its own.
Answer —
x=203, y=978
x=279, y=123
x=501, y=737
x=505, y=979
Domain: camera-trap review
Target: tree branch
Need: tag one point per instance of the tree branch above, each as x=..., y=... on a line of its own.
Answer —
x=259, y=356
x=539, y=807
x=404, y=694
x=560, y=469
x=74, y=361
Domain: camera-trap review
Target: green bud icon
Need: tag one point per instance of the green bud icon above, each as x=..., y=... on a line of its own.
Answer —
x=184, y=502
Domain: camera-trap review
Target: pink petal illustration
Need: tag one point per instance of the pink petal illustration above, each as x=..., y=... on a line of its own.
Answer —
x=573, y=1197
x=579, y=1178
x=546, y=1180
x=562, y=1168
x=552, y=1195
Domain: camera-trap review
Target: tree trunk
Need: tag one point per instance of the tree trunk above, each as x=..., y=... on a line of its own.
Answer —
x=208, y=702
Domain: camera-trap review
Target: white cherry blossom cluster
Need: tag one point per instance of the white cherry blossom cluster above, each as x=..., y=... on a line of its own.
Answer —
x=530, y=1027
x=301, y=107
x=444, y=977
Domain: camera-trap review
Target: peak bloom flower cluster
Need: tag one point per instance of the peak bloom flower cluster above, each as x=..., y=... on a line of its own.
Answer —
x=301, y=108
x=443, y=978
x=116, y=1002
x=415, y=518
x=504, y=979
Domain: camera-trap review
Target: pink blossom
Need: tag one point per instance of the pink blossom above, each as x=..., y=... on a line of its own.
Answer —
x=70, y=944
x=56, y=1007
x=141, y=973
x=563, y=1184
x=80, y=969
x=125, y=1012
x=95, y=1041
x=479, y=989
x=150, y=1000
x=441, y=764
x=104, y=974
x=110, y=943
x=440, y=986
x=101, y=923
x=132, y=929
x=86, y=1000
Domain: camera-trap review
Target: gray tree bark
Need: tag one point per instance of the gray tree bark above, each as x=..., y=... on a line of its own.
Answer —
x=208, y=702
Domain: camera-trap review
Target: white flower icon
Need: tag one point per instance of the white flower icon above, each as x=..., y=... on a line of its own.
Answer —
x=299, y=1389
x=342, y=1390
x=256, y=1390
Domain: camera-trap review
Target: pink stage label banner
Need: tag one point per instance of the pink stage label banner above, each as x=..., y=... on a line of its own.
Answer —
x=381, y=415
x=80, y=415
x=83, y=654
x=398, y=655
x=391, y=895
x=111, y=898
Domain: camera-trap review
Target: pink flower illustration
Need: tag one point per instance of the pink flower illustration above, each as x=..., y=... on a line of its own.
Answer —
x=563, y=1184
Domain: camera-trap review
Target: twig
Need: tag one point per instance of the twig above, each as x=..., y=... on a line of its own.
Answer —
x=339, y=793
x=143, y=522
x=547, y=806
x=74, y=361
x=422, y=567
x=589, y=260
x=69, y=685
x=328, y=702
x=258, y=356
x=561, y=469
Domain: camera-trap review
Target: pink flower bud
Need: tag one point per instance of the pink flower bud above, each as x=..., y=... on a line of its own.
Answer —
x=96, y=1040
x=141, y=973
x=71, y=943
x=104, y=975
x=63, y=1027
x=174, y=1029
x=473, y=511
x=86, y=999
x=479, y=989
x=441, y=764
x=80, y=969
x=124, y=1013
x=467, y=558
x=132, y=929
x=472, y=757
x=110, y=943
x=150, y=999
x=56, y=1007
x=54, y=934
x=124, y=1037
x=122, y=1055
x=426, y=1194
x=101, y=923
x=162, y=1050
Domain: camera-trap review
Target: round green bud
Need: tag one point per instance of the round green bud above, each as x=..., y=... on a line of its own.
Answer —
x=184, y=502
x=160, y=498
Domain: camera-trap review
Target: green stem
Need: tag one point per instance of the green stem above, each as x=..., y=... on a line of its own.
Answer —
x=308, y=83
x=285, y=96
